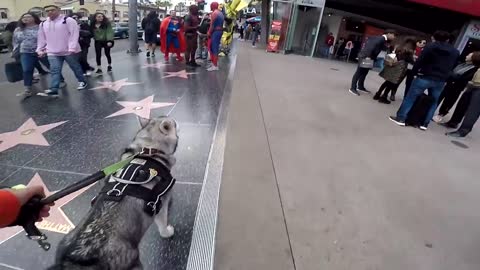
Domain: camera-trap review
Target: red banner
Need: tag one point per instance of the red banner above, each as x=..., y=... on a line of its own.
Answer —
x=275, y=32
x=471, y=7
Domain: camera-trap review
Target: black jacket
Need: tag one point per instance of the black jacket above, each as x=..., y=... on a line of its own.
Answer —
x=436, y=61
x=373, y=47
x=151, y=25
x=85, y=35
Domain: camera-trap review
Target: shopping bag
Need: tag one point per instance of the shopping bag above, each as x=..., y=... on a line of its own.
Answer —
x=14, y=71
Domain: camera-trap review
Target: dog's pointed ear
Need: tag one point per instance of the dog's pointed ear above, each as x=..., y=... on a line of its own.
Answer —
x=143, y=121
x=167, y=126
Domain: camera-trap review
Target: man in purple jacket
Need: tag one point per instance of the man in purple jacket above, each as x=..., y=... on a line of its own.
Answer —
x=58, y=39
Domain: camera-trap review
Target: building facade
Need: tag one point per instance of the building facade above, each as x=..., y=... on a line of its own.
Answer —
x=11, y=10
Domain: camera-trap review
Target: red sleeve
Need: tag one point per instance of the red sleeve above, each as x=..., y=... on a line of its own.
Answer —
x=9, y=208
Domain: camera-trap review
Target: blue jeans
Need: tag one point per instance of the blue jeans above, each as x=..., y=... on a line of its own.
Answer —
x=29, y=62
x=56, y=65
x=419, y=86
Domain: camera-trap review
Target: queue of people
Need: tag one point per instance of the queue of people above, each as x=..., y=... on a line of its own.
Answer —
x=435, y=68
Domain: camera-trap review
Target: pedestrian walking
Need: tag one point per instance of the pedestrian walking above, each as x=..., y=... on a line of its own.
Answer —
x=25, y=39
x=461, y=75
x=367, y=57
x=215, y=34
x=256, y=33
x=191, y=25
x=103, y=35
x=432, y=69
x=241, y=30
x=85, y=38
x=58, y=39
x=151, y=26
x=7, y=37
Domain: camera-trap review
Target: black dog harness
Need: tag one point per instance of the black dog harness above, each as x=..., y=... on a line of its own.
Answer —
x=128, y=181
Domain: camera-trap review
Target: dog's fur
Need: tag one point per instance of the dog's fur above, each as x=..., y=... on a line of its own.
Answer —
x=109, y=236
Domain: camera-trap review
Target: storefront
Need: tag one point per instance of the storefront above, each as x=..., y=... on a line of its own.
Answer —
x=469, y=39
x=295, y=26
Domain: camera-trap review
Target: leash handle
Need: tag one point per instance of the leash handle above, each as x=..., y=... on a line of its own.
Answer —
x=29, y=213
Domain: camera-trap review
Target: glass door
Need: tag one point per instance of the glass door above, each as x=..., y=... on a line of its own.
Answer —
x=281, y=11
x=303, y=30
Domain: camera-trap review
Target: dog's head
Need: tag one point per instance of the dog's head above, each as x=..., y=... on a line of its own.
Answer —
x=158, y=133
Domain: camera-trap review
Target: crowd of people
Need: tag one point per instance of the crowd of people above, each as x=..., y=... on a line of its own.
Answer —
x=46, y=45
x=436, y=68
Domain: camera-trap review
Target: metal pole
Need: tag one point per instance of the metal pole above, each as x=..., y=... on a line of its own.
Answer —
x=132, y=27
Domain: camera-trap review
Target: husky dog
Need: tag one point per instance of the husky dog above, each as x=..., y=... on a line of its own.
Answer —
x=109, y=236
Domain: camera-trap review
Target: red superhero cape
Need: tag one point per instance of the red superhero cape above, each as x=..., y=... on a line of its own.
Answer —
x=163, y=38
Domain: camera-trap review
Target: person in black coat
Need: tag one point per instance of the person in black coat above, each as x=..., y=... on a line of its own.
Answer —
x=84, y=39
x=457, y=82
x=372, y=49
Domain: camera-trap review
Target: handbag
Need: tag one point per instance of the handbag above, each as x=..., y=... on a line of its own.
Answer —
x=14, y=71
x=366, y=63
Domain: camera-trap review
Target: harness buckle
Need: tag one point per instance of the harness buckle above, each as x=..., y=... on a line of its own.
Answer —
x=152, y=207
x=118, y=192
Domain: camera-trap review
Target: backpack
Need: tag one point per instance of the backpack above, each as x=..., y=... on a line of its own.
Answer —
x=150, y=26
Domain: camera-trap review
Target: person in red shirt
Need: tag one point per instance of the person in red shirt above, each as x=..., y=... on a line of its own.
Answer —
x=329, y=41
x=12, y=200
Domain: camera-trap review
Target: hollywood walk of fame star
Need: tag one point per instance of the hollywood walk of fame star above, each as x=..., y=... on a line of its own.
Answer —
x=155, y=65
x=141, y=108
x=57, y=221
x=27, y=133
x=181, y=74
x=115, y=86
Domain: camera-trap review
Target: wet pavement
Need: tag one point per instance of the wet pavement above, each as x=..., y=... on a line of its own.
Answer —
x=56, y=142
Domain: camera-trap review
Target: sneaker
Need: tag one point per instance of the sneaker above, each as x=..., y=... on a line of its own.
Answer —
x=364, y=90
x=62, y=84
x=424, y=128
x=88, y=73
x=354, y=92
x=99, y=72
x=26, y=94
x=392, y=98
x=212, y=68
x=397, y=121
x=180, y=59
x=376, y=96
x=384, y=100
x=455, y=134
x=195, y=64
x=48, y=93
x=148, y=54
x=153, y=54
x=109, y=69
x=82, y=85
x=438, y=118
x=254, y=46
